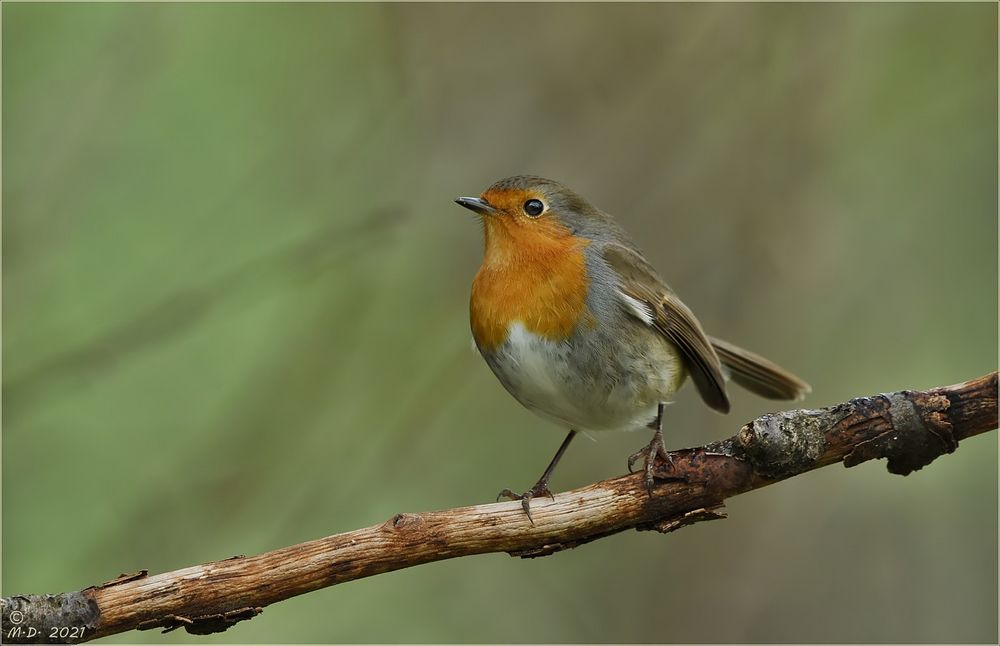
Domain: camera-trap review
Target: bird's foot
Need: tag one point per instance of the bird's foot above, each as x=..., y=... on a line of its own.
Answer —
x=650, y=452
x=540, y=489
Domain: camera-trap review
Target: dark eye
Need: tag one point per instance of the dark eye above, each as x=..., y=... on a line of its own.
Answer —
x=534, y=208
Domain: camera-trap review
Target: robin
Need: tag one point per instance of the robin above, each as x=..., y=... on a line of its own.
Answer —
x=580, y=329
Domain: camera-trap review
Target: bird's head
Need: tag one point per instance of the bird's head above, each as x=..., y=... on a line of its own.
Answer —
x=527, y=214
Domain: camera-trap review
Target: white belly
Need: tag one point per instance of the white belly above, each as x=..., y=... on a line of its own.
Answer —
x=583, y=386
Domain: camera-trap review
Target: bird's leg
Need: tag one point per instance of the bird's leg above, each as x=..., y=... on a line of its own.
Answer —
x=652, y=450
x=541, y=487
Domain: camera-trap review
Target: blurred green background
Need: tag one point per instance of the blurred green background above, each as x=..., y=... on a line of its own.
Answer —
x=235, y=298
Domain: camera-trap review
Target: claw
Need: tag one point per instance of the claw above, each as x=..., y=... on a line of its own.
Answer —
x=649, y=453
x=632, y=459
x=540, y=489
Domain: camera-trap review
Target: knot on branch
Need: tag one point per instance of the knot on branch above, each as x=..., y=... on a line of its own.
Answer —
x=782, y=444
x=400, y=521
x=918, y=432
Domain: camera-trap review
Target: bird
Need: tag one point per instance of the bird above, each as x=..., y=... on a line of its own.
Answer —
x=580, y=328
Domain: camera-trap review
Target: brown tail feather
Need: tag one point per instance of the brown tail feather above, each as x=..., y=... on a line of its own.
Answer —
x=757, y=374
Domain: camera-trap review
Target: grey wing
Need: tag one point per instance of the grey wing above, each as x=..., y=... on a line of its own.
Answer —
x=672, y=318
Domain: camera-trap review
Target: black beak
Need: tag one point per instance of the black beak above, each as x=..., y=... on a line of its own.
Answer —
x=476, y=204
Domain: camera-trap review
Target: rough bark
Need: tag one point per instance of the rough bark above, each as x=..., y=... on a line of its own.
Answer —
x=908, y=428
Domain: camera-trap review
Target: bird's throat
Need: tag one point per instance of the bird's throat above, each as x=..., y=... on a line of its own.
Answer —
x=535, y=275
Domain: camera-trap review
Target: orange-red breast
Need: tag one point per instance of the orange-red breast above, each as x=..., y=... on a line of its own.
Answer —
x=579, y=327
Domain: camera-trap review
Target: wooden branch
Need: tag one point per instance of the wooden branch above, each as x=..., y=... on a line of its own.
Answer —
x=909, y=428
